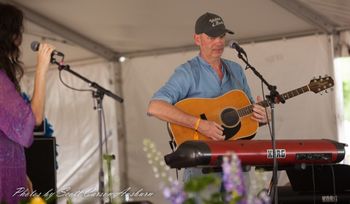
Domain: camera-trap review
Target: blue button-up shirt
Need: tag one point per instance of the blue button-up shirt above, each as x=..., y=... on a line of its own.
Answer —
x=197, y=79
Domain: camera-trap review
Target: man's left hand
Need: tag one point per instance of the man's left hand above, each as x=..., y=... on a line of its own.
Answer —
x=259, y=112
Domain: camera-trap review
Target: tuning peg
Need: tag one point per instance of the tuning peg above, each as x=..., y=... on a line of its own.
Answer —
x=319, y=77
x=314, y=78
x=326, y=75
x=326, y=91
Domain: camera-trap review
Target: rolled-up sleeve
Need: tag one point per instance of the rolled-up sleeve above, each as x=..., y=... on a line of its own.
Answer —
x=176, y=88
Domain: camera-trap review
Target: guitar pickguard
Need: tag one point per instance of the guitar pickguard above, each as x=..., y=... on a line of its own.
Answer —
x=230, y=132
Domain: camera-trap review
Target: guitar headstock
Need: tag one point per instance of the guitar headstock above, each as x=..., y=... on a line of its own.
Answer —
x=322, y=83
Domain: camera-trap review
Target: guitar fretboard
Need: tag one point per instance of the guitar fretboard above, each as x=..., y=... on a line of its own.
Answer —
x=290, y=94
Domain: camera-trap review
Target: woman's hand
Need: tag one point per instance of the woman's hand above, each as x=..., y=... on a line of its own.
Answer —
x=44, y=57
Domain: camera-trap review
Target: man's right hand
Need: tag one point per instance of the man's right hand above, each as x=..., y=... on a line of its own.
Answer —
x=211, y=129
x=168, y=112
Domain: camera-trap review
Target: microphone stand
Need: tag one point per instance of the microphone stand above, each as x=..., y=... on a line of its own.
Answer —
x=97, y=94
x=271, y=101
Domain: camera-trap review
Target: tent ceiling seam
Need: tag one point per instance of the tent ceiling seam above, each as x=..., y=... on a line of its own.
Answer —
x=308, y=14
x=186, y=48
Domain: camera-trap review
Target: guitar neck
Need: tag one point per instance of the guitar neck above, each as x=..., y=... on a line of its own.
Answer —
x=290, y=94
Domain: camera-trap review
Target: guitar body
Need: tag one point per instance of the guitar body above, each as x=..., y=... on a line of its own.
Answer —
x=233, y=112
x=223, y=110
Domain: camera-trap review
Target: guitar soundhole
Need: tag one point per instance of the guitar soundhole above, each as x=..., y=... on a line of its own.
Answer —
x=229, y=117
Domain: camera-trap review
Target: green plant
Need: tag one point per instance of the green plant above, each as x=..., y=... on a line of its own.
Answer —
x=234, y=191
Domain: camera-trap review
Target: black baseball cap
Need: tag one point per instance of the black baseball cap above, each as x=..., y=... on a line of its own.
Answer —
x=212, y=25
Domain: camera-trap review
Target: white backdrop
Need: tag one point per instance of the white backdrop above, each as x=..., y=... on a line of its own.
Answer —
x=289, y=64
x=75, y=125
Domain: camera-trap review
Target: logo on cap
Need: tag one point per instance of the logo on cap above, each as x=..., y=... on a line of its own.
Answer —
x=216, y=21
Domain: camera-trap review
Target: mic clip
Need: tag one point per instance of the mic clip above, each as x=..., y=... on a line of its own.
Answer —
x=57, y=57
x=58, y=53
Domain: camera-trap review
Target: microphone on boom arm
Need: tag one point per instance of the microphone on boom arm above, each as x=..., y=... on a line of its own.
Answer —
x=35, y=47
x=235, y=45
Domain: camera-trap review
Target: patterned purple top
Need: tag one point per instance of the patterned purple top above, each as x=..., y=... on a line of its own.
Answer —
x=16, y=129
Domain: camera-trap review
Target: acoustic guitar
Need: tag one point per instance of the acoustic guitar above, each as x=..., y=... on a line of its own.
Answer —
x=233, y=112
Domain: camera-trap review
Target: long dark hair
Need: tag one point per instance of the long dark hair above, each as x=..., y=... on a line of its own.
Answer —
x=11, y=29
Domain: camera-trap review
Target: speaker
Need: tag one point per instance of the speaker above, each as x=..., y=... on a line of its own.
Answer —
x=317, y=184
x=41, y=165
x=286, y=195
x=331, y=178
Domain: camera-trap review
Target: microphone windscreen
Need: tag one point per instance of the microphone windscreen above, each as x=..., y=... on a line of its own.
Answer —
x=35, y=46
x=232, y=44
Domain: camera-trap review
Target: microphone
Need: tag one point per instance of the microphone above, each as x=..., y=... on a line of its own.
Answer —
x=35, y=47
x=235, y=45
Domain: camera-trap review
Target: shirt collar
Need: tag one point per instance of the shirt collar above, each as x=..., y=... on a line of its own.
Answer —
x=205, y=63
x=202, y=61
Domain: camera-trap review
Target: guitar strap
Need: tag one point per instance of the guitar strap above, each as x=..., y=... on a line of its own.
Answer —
x=172, y=144
x=233, y=78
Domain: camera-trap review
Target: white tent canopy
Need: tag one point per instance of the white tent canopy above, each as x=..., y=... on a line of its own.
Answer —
x=133, y=28
x=288, y=41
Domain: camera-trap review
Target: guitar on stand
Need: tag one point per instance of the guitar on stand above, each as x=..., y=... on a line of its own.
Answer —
x=232, y=111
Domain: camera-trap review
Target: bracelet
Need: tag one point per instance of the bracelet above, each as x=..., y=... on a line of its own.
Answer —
x=197, y=124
